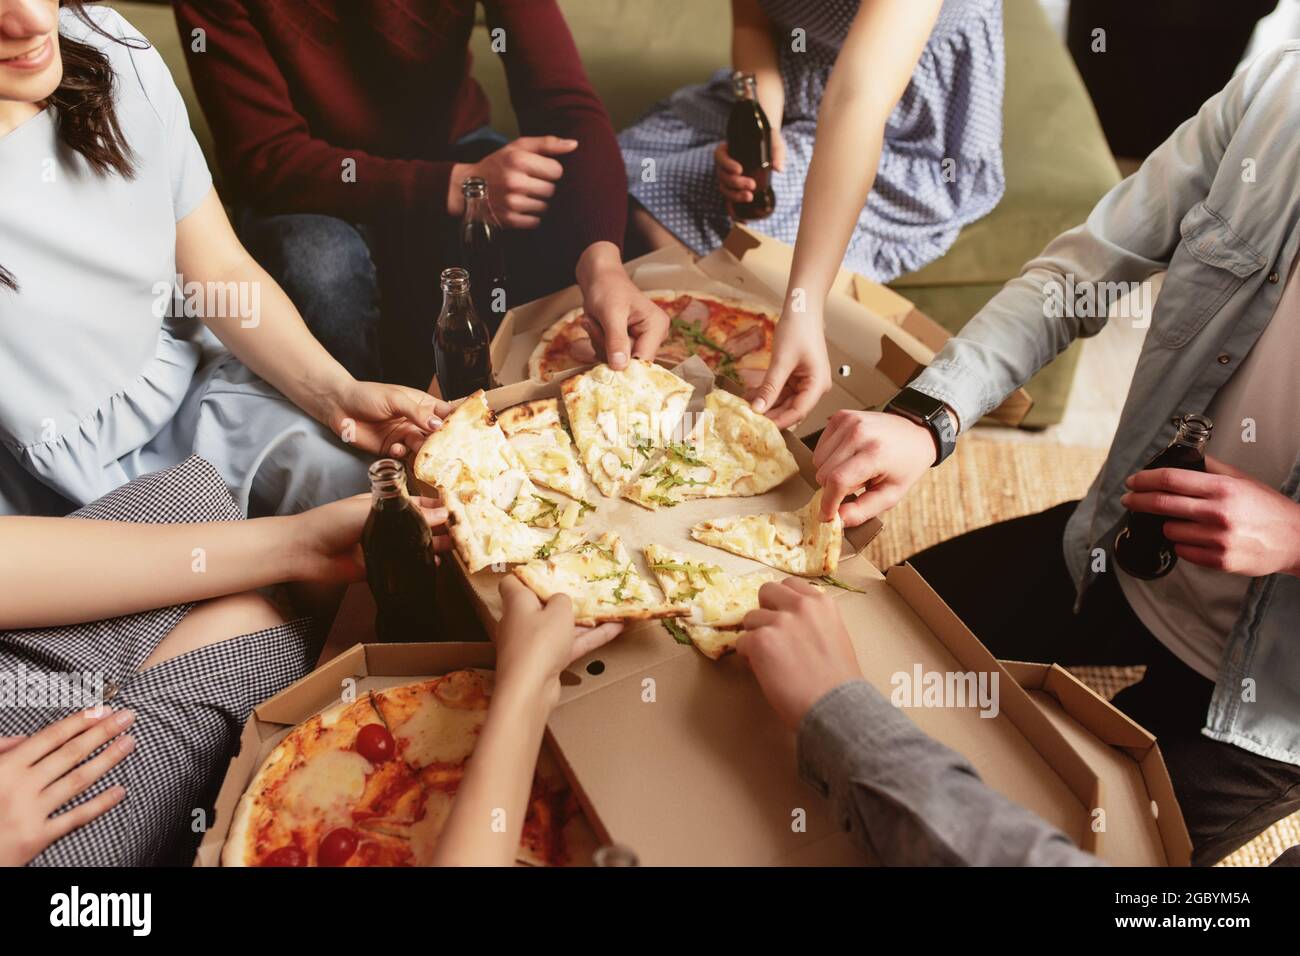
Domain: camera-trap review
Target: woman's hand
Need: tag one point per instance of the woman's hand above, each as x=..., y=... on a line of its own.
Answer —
x=1223, y=519
x=326, y=541
x=41, y=773
x=535, y=641
x=800, y=372
x=735, y=186
x=619, y=317
x=385, y=419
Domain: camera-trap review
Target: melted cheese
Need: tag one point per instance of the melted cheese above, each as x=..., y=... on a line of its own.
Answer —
x=329, y=783
x=437, y=734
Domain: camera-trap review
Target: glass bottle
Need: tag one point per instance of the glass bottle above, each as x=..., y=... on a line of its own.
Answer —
x=461, y=342
x=400, y=569
x=1141, y=547
x=482, y=253
x=749, y=141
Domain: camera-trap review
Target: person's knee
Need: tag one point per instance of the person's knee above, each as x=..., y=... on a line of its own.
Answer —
x=216, y=620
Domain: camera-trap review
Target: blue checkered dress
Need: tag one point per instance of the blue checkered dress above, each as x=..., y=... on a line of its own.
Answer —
x=941, y=166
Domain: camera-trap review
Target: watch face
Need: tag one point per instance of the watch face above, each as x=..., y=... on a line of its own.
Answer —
x=917, y=403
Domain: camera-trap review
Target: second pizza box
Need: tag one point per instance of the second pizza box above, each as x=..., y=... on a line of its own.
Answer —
x=680, y=758
x=876, y=339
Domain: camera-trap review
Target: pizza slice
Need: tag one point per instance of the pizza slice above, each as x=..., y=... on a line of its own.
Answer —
x=620, y=420
x=793, y=541
x=600, y=579
x=498, y=516
x=718, y=601
x=540, y=439
x=731, y=451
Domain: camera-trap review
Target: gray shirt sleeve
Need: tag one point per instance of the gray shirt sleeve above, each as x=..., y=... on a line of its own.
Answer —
x=910, y=801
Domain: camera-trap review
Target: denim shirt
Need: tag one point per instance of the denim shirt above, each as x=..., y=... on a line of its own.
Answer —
x=1217, y=208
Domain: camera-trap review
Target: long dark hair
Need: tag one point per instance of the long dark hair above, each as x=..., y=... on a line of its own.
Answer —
x=84, y=109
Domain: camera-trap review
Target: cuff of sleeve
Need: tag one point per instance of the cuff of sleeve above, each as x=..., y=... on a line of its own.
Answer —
x=429, y=188
x=832, y=733
x=963, y=391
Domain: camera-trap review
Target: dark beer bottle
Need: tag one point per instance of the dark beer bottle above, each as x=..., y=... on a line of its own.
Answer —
x=461, y=343
x=398, y=547
x=749, y=141
x=481, y=253
x=1141, y=547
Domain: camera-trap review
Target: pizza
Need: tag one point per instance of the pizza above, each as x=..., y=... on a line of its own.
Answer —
x=541, y=440
x=718, y=600
x=731, y=451
x=621, y=420
x=795, y=541
x=371, y=782
x=497, y=515
x=600, y=579
x=733, y=336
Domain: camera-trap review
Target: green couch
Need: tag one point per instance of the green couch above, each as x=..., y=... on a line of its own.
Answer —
x=637, y=51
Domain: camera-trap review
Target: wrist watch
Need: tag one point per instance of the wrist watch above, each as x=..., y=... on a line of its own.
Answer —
x=929, y=413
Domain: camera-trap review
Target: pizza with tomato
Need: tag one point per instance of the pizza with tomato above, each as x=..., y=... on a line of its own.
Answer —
x=734, y=337
x=371, y=782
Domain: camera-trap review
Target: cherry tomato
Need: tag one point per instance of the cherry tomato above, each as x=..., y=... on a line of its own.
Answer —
x=376, y=744
x=337, y=847
x=286, y=856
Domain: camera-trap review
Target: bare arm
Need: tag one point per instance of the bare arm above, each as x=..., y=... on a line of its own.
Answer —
x=534, y=643
x=259, y=324
x=873, y=69
x=68, y=570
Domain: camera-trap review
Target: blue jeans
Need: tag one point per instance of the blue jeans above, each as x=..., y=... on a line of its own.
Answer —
x=325, y=267
x=366, y=296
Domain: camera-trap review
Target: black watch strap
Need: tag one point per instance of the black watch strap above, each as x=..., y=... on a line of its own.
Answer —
x=930, y=413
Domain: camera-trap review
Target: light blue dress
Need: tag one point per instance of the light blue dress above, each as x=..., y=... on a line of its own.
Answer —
x=940, y=168
x=97, y=385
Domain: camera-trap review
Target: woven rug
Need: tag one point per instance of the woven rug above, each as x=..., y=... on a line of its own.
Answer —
x=988, y=481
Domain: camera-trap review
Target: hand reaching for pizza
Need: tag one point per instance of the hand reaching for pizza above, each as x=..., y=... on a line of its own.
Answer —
x=326, y=541
x=883, y=453
x=800, y=371
x=797, y=647
x=40, y=773
x=535, y=641
x=385, y=419
x=620, y=318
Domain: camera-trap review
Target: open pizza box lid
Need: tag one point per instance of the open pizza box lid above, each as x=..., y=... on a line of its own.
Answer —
x=357, y=670
x=877, y=340
x=679, y=757
x=1138, y=819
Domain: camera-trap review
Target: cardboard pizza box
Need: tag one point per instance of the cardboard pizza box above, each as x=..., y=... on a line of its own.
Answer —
x=680, y=758
x=876, y=339
x=1139, y=819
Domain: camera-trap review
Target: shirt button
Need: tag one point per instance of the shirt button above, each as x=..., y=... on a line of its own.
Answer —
x=1273, y=277
x=1225, y=358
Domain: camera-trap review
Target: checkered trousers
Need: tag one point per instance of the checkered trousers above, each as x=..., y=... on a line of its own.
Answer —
x=189, y=709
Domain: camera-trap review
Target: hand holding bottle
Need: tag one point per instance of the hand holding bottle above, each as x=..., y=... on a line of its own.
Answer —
x=326, y=541
x=735, y=186
x=1221, y=518
x=521, y=178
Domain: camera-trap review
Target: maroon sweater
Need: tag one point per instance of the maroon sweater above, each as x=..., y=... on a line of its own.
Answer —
x=291, y=90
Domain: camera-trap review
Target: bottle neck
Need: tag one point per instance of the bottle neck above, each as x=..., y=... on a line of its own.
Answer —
x=475, y=208
x=387, y=481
